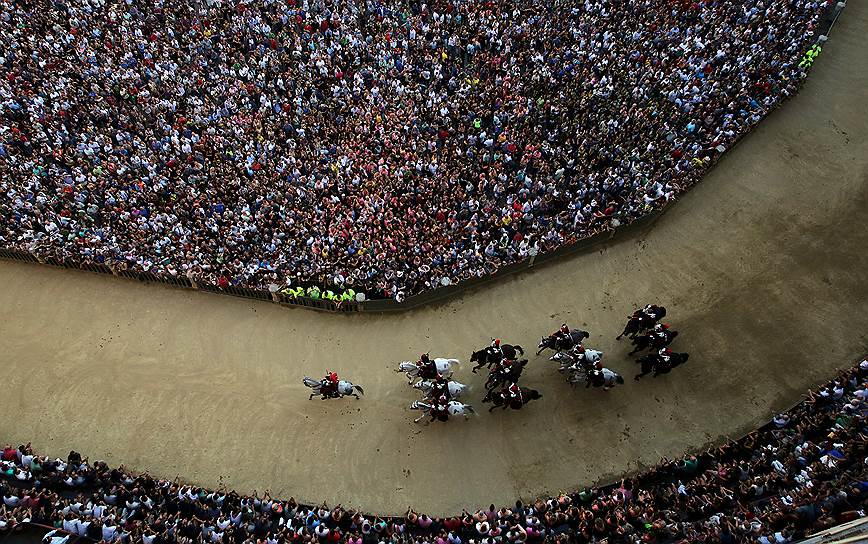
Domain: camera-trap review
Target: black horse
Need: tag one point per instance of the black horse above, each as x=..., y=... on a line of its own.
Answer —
x=502, y=398
x=640, y=321
x=660, y=365
x=489, y=356
x=500, y=376
x=653, y=340
x=558, y=343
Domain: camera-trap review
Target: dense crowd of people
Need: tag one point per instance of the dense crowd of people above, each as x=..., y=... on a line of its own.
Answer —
x=387, y=145
x=804, y=471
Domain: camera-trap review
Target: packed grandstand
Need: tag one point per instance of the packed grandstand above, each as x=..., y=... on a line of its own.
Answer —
x=389, y=147
x=802, y=472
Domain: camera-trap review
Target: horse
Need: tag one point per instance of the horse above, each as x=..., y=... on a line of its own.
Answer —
x=453, y=408
x=658, y=365
x=604, y=378
x=640, y=321
x=486, y=357
x=559, y=344
x=499, y=377
x=590, y=356
x=345, y=388
x=653, y=341
x=455, y=389
x=443, y=368
x=502, y=398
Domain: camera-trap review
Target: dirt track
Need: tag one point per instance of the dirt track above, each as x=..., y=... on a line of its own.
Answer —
x=762, y=267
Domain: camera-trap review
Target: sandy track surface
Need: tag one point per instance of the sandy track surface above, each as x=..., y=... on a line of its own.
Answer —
x=762, y=267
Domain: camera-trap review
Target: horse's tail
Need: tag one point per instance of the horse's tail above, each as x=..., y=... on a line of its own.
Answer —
x=469, y=409
x=359, y=389
x=310, y=382
x=619, y=379
x=519, y=349
x=455, y=362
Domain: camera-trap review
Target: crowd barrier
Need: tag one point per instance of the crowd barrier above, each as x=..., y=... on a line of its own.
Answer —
x=375, y=305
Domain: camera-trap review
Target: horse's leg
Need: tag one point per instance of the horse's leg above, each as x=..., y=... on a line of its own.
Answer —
x=492, y=408
x=311, y=396
x=627, y=326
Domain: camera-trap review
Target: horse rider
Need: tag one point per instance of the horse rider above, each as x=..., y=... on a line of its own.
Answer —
x=577, y=352
x=504, y=367
x=663, y=362
x=439, y=387
x=595, y=378
x=427, y=367
x=562, y=335
x=652, y=313
x=514, y=394
x=440, y=408
x=661, y=334
x=494, y=351
x=329, y=385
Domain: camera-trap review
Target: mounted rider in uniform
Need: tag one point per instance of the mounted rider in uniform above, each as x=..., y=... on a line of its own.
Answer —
x=651, y=314
x=495, y=353
x=329, y=385
x=514, y=397
x=562, y=335
x=439, y=387
x=427, y=367
x=440, y=408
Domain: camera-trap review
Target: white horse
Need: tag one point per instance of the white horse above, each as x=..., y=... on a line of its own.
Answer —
x=453, y=407
x=456, y=389
x=345, y=388
x=590, y=356
x=444, y=368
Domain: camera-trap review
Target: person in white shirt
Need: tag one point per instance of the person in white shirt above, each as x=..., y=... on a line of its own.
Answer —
x=109, y=531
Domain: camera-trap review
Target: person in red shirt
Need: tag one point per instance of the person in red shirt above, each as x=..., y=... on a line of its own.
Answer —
x=10, y=453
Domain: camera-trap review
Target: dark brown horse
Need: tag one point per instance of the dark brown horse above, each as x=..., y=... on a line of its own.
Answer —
x=489, y=356
x=503, y=399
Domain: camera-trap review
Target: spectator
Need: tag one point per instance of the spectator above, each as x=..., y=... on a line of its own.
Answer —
x=390, y=147
x=775, y=485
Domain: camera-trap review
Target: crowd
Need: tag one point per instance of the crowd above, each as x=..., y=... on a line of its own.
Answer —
x=804, y=471
x=387, y=145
